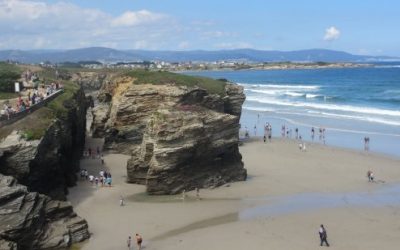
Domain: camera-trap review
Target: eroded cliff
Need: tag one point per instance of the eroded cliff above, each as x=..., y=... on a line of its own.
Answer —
x=30, y=220
x=181, y=134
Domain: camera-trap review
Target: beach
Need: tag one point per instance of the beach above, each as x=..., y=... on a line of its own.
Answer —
x=288, y=194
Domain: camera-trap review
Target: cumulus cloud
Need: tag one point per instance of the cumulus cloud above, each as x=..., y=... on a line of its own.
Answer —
x=27, y=24
x=331, y=33
x=40, y=24
x=132, y=18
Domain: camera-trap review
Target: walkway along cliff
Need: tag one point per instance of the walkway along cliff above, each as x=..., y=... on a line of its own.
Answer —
x=41, y=152
x=181, y=131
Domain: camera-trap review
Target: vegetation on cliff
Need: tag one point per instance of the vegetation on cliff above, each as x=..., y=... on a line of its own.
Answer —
x=9, y=73
x=162, y=77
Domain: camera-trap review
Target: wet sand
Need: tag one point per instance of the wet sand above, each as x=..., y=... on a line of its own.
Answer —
x=288, y=194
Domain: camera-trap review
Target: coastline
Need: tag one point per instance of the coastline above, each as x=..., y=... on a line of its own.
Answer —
x=322, y=185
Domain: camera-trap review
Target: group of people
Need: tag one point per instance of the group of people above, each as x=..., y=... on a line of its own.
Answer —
x=36, y=96
x=91, y=154
x=104, y=178
x=138, y=239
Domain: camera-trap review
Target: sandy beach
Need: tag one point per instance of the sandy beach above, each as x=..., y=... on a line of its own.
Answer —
x=288, y=194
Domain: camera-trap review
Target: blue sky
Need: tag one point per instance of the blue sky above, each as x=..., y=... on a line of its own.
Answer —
x=360, y=27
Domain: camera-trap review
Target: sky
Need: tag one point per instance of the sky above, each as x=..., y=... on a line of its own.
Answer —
x=368, y=27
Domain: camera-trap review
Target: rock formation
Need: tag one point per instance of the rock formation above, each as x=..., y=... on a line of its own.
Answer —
x=48, y=165
x=180, y=137
x=30, y=220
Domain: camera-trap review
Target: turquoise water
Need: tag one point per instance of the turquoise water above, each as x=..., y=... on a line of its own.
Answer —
x=349, y=103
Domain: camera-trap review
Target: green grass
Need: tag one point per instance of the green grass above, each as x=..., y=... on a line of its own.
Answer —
x=58, y=104
x=32, y=127
x=9, y=74
x=163, y=77
x=7, y=95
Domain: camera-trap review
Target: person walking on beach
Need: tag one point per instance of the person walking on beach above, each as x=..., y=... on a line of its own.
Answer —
x=255, y=130
x=312, y=133
x=139, y=241
x=323, y=236
x=366, y=143
x=129, y=242
x=297, y=133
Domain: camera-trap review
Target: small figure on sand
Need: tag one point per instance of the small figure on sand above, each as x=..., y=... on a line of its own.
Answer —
x=255, y=130
x=370, y=176
x=183, y=194
x=121, y=201
x=139, y=241
x=198, y=193
x=323, y=236
x=297, y=133
x=129, y=242
x=312, y=133
x=366, y=143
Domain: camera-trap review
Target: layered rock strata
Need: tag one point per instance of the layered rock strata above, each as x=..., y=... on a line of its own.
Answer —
x=180, y=137
x=48, y=165
x=30, y=220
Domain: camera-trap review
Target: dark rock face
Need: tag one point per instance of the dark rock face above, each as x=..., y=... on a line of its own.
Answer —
x=48, y=165
x=30, y=220
x=179, y=137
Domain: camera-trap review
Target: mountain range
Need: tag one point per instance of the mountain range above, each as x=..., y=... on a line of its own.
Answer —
x=109, y=55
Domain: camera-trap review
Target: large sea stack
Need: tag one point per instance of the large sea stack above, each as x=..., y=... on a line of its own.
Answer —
x=182, y=131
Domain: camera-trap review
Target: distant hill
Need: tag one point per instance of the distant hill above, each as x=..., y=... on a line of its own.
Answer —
x=113, y=55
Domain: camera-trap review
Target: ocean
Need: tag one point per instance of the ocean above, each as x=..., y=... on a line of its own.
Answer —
x=349, y=103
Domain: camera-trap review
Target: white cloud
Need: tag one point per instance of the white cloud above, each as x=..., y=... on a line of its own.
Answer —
x=331, y=33
x=132, y=18
x=28, y=24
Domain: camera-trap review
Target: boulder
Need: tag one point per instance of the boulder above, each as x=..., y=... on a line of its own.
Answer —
x=30, y=220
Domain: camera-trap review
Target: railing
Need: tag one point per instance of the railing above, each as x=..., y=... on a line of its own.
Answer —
x=7, y=120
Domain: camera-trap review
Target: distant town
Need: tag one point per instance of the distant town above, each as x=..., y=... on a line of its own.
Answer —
x=202, y=66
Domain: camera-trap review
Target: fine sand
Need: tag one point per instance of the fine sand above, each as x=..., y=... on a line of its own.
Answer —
x=288, y=194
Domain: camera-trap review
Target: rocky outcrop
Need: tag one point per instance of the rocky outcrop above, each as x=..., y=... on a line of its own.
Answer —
x=179, y=137
x=30, y=220
x=48, y=165
x=91, y=80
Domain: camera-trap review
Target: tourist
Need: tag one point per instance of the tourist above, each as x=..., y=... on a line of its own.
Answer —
x=96, y=180
x=265, y=138
x=283, y=131
x=86, y=174
x=129, y=242
x=121, y=201
x=139, y=241
x=312, y=133
x=198, y=193
x=90, y=152
x=82, y=174
x=102, y=160
x=91, y=179
x=98, y=151
x=370, y=176
x=183, y=194
x=255, y=130
x=297, y=133
x=323, y=235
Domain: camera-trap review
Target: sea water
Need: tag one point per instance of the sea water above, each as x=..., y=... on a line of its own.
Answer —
x=349, y=103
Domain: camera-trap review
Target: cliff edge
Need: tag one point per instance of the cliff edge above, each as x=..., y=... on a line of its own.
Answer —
x=181, y=131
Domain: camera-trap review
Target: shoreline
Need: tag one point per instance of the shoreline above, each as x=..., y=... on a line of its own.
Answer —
x=241, y=214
